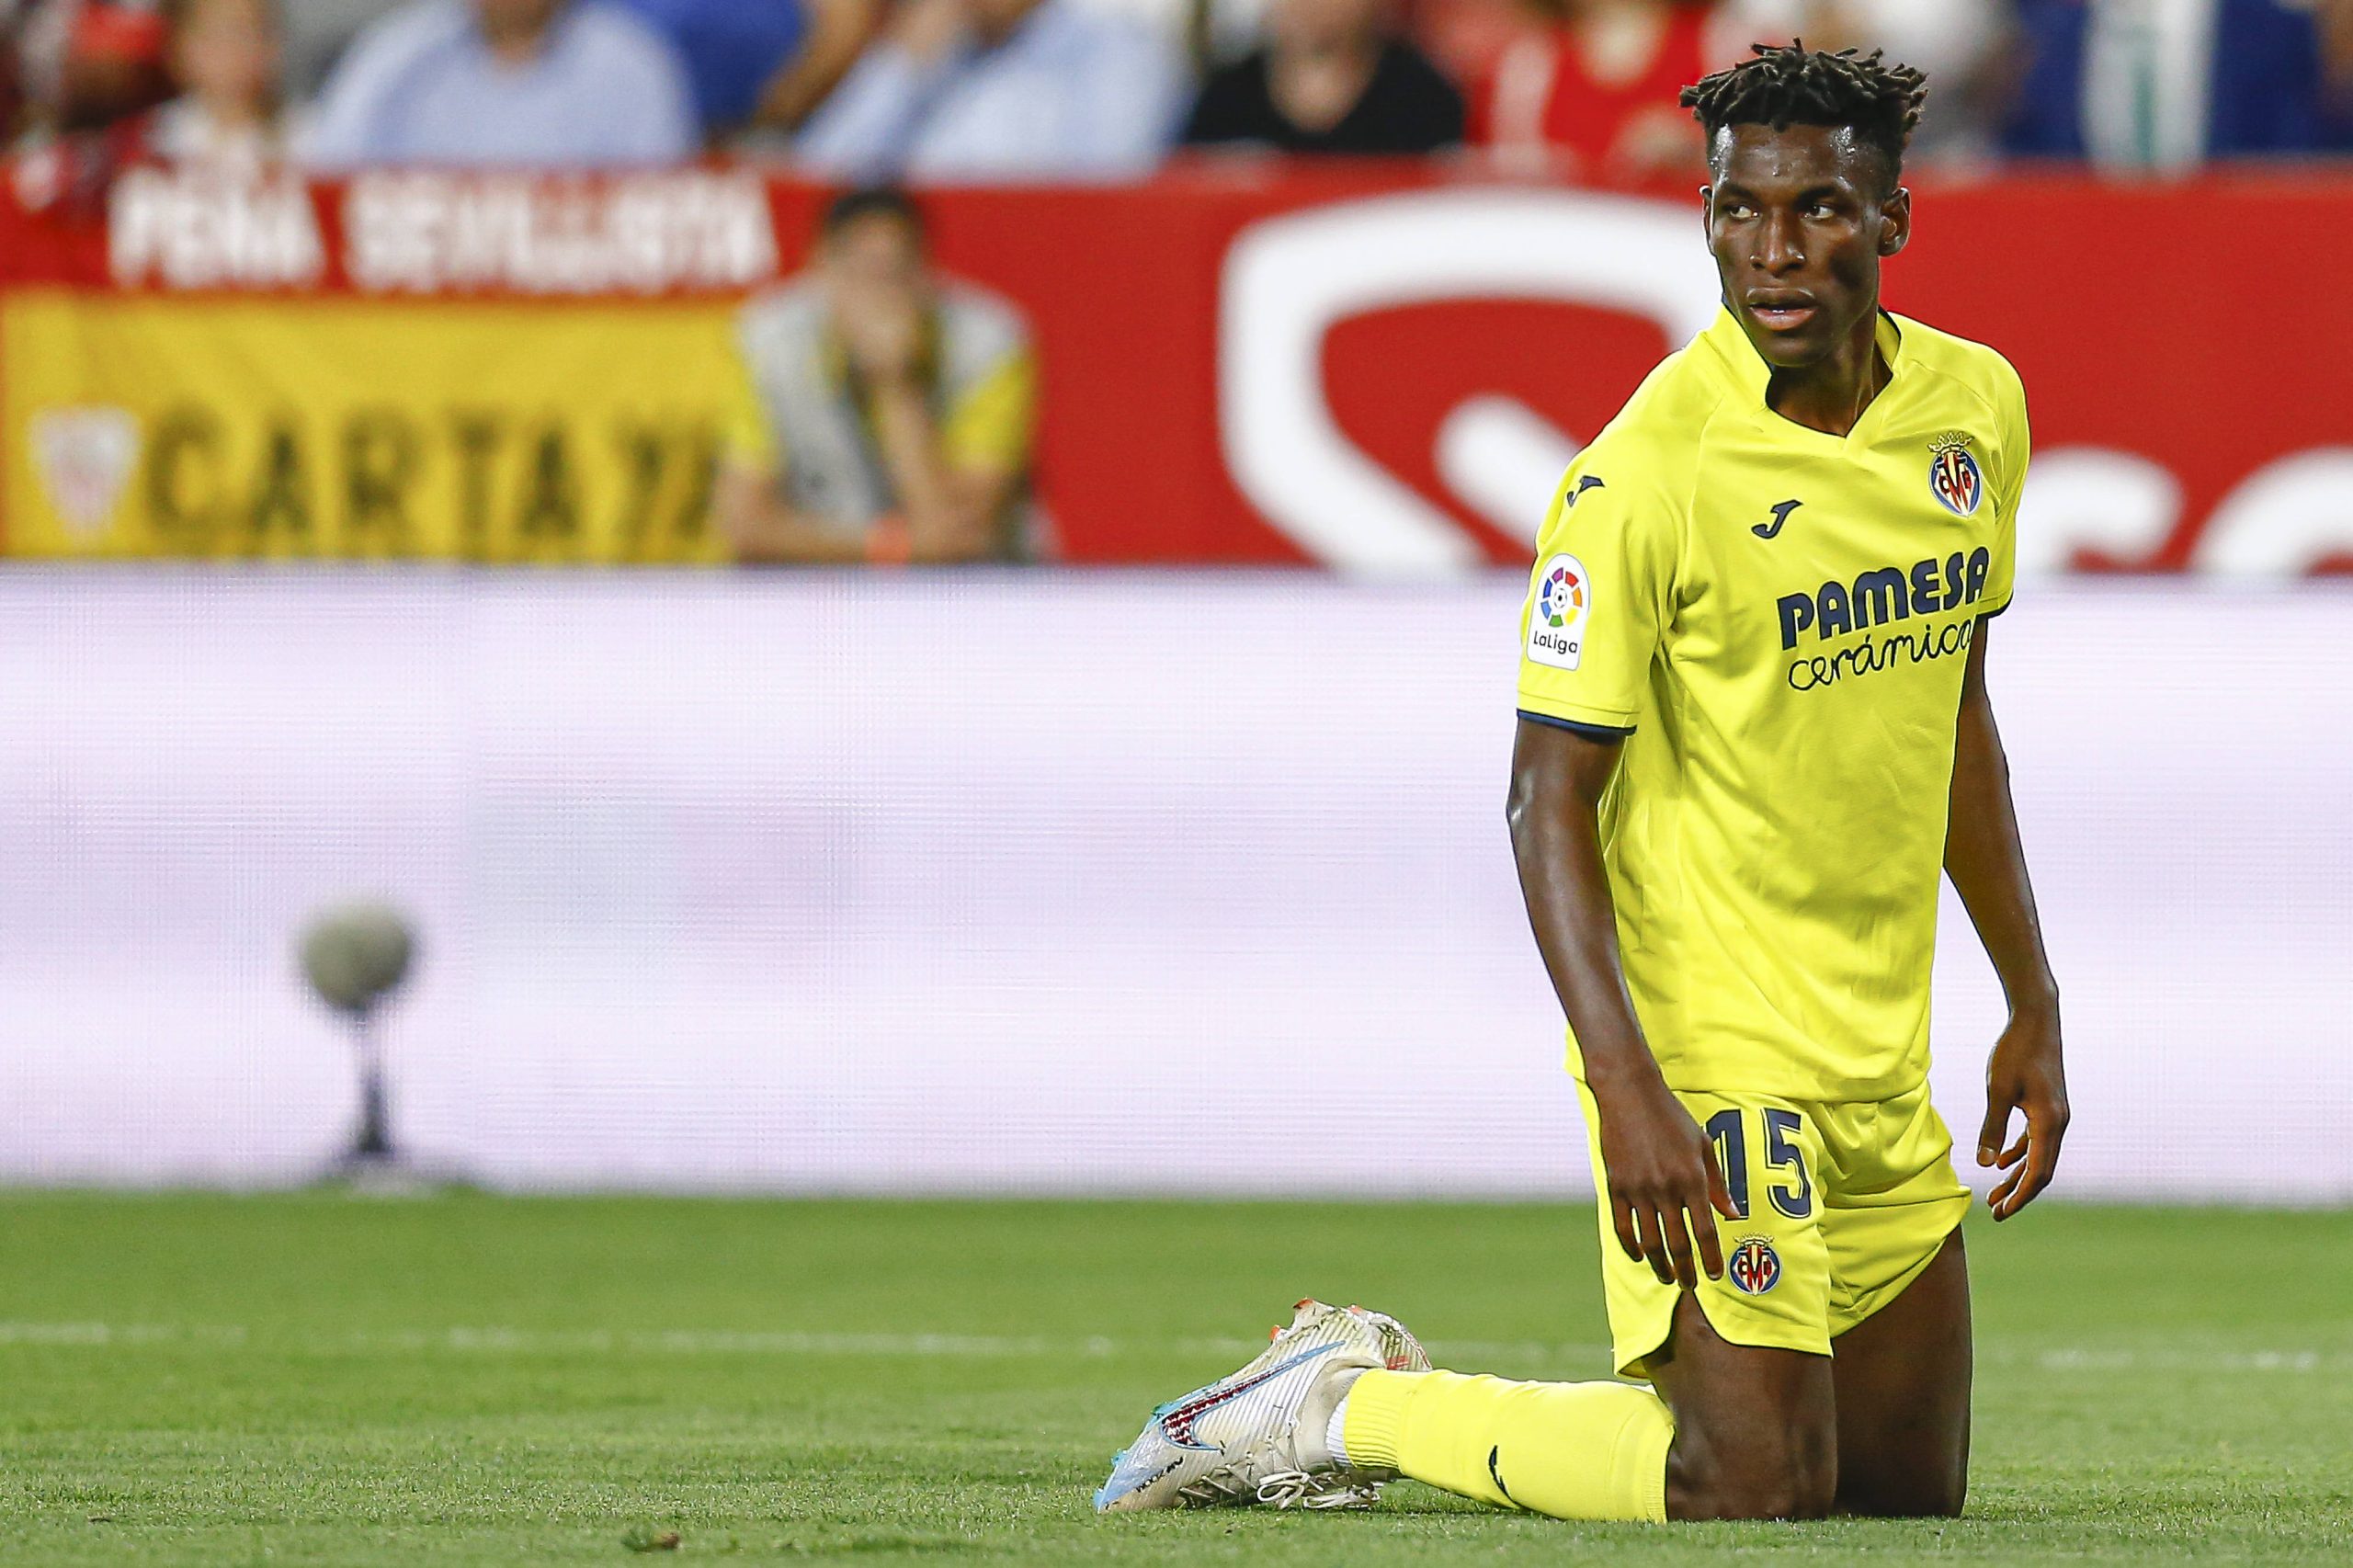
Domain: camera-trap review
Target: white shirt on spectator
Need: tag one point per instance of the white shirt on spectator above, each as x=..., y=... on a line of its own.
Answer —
x=1072, y=94
x=2148, y=72
x=1232, y=28
x=1950, y=40
x=318, y=32
x=422, y=87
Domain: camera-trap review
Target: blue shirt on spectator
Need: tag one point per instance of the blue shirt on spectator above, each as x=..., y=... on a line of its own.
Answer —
x=1072, y=93
x=2138, y=88
x=422, y=87
x=732, y=48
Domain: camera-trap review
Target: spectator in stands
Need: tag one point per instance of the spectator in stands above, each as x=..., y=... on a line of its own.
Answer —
x=317, y=33
x=762, y=62
x=1967, y=47
x=2337, y=71
x=88, y=64
x=1464, y=39
x=225, y=55
x=885, y=413
x=554, y=82
x=1001, y=89
x=88, y=74
x=1333, y=77
x=1592, y=92
x=1204, y=33
x=766, y=62
x=2133, y=85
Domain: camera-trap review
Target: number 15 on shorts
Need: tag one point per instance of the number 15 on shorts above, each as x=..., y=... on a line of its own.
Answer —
x=1787, y=1186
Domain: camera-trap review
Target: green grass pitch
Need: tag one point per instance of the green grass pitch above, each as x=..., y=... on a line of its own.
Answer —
x=469, y=1379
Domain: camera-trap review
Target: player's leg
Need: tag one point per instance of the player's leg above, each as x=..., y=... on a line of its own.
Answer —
x=1743, y=1367
x=1749, y=1433
x=1743, y=1364
x=1756, y=1428
x=1903, y=1377
x=1595, y=1451
x=1899, y=1315
x=1258, y=1434
x=1742, y=1423
x=1733, y=1432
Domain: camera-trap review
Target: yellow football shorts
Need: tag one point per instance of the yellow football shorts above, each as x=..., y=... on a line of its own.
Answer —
x=1842, y=1206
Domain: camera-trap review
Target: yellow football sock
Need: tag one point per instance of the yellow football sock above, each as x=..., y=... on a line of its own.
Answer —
x=1573, y=1450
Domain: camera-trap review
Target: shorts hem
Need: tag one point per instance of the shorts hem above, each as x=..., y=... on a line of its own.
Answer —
x=1878, y=1298
x=1749, y=1335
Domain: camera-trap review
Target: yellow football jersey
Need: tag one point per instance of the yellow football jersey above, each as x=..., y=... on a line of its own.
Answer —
x=1778, y=620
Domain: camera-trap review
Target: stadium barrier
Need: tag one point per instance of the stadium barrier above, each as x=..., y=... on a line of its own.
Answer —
x=1380, y=368
x=1120, y=882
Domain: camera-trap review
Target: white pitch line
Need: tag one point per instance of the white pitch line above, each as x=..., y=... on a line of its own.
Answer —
x=2094, y=1359
x=109, y=1334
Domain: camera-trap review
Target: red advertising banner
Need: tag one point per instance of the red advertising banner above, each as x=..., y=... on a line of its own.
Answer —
x=1380, y=368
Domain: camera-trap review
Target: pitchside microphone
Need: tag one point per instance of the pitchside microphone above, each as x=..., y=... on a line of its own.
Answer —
x=355, y=956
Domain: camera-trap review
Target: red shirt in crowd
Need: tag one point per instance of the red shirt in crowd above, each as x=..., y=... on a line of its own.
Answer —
x=1545, y=102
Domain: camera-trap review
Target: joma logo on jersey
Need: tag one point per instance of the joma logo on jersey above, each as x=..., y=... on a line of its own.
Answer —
x=1887, y=594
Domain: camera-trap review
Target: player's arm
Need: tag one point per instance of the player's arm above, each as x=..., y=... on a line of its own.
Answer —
x=1662, y=1170
x=1987, y=864
x=1592, y=627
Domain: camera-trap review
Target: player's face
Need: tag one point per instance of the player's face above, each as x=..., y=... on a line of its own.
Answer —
x=1800, y=219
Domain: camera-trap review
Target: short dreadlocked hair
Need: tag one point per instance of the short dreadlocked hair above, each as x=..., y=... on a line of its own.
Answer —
x=1797, y=85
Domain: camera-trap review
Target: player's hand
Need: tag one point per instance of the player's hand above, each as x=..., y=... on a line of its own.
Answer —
x=1665, y=1188
x=2025, y=1073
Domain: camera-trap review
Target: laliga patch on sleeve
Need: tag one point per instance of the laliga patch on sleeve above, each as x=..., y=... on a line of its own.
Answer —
x=1556, y=620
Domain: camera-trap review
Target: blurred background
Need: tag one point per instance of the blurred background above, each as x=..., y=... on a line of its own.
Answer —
x=917, y=595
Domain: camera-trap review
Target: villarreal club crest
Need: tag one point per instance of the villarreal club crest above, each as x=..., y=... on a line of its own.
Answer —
x=1954, y=477
x=1754, y=1266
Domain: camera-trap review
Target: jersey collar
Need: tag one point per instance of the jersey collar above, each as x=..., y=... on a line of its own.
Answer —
x=1749, y=372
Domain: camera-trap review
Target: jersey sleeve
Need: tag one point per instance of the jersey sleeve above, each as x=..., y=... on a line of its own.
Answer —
x=1600, y=598
x=2016, y=444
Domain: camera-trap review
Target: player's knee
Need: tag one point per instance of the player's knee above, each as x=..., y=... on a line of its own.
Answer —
x=1917, y=1497
x=1943, y=1501
x=1795, y=1496
x=1788, y=1496
x=1786, y=1476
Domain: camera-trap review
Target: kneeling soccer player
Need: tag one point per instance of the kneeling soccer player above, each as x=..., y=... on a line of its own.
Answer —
x=1754, y=725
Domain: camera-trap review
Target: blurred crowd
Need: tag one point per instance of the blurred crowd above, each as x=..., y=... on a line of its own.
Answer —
x=885, y=410
x=1028, y=90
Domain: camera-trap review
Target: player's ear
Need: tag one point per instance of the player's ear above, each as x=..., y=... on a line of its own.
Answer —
x=1895, y=222
x=1707, y=210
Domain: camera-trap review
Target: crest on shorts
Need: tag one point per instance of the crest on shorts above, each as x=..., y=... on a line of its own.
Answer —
x=1754, y=1266
x=1954, y=477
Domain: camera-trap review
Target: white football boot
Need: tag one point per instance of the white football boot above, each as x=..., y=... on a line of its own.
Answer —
x=1258, y=1436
